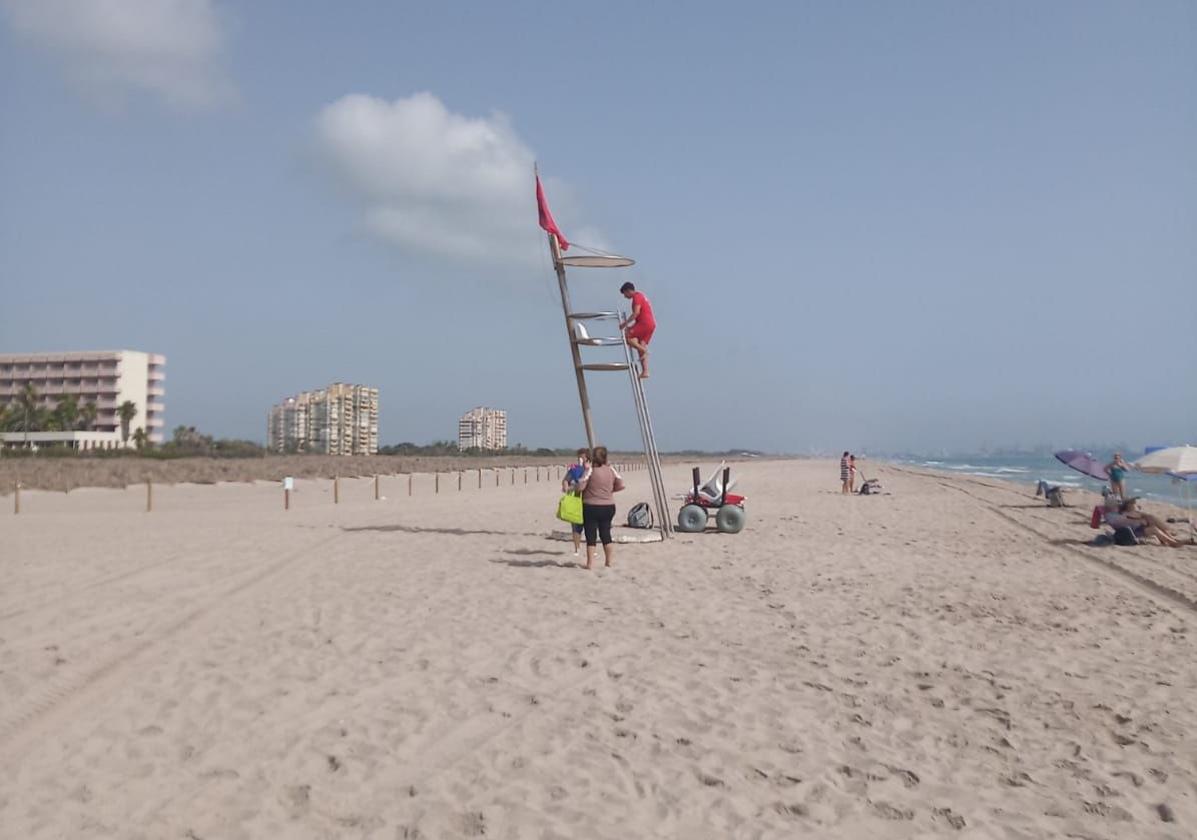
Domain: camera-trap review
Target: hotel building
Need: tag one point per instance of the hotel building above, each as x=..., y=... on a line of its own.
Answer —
x=105, y=378
x=482, y=428
x=338, y=420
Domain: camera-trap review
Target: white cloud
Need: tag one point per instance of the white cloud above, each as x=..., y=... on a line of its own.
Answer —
x=432, y=181
x=171, y=48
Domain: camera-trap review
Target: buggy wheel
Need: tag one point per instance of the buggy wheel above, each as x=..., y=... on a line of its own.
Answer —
x=691, y=519
x=730, y=519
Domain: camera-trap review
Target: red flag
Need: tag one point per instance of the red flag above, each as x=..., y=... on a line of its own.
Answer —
x=546, y=218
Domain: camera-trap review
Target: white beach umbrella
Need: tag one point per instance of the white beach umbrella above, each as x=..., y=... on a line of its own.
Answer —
x=1180, y=460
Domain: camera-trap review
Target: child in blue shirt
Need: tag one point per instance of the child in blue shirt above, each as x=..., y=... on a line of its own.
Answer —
x=569, y=484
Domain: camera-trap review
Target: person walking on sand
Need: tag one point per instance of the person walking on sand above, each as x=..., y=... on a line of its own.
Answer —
x=599, y=485
x=639, y=326
x=844, y=490
x=1118, y=469
x=569, y=484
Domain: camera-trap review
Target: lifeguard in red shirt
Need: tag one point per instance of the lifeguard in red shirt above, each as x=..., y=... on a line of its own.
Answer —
x=638, y=327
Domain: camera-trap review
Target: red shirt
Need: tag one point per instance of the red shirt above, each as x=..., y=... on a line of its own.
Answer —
x=645, y=319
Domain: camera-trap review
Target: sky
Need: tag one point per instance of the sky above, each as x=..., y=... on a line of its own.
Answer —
x=872, y=226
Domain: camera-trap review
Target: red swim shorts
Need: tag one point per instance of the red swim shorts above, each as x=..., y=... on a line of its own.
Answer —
x=642, y=332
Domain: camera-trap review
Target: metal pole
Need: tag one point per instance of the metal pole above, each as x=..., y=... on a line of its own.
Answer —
x=376, y=487
x=149, y=495
x=575, y=354
x=336, y=489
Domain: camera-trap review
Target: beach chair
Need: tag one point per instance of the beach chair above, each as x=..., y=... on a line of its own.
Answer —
x=712, y=488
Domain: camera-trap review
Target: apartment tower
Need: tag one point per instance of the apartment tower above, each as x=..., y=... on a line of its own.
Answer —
x=103, y=378
x=482, y=428
x=338, y=420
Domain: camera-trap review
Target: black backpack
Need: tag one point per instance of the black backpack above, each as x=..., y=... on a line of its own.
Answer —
x=640, y=516
x=1125, y=536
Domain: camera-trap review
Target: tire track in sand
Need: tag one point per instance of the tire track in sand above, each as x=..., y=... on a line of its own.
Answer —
x=1148, y=585
x=22, y=719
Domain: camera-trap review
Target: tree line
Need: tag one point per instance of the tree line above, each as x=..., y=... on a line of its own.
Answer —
x=28, y=414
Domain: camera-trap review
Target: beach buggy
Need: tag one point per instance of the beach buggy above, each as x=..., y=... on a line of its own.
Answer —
x=712, y=499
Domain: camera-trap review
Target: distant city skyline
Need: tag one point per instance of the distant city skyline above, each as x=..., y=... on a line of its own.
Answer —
x=863, y=226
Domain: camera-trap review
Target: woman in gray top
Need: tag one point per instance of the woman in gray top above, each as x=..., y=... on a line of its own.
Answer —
x=599, y=485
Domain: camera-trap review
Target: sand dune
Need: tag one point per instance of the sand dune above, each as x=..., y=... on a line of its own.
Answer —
x=946, y=660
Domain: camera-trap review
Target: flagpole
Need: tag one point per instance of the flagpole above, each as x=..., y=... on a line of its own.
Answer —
x=555, y=240
x=575, y=353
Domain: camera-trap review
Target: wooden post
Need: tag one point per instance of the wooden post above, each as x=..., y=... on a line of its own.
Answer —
x=409, y=475
x=376, y=496
x=438, y=483
x=336, y=489
x=459, y=481
x=513, y=476
x=496, y=476
x=480, y=478
x=149, y=495
x=286, y=499
x=16, y=499
x=525, y=475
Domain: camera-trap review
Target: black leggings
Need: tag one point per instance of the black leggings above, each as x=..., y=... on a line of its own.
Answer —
x=596, y=521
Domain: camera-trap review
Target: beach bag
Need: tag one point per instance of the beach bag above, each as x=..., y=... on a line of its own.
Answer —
x=1124, y=536
x=640, y=516
x=569, y=509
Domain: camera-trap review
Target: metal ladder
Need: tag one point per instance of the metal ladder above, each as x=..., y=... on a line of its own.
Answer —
x=651, y=455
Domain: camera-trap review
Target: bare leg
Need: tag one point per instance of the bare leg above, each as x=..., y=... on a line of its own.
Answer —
x=577, y=542
x=639, y=347
x=590, y=556
x=609, y=554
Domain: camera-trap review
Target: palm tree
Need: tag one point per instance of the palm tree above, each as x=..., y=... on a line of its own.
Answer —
x=27, y=402
x=66, y=413
x=87, y=416
x=140, y=438
x=126, y=411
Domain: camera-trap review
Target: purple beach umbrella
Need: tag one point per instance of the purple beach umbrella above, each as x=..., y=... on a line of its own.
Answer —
x=1083, y=463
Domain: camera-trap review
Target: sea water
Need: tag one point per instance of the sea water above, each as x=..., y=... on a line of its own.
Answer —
x=1031, y=469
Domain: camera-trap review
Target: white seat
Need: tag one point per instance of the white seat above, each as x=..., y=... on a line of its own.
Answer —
x=712, y=488
x=581, y=336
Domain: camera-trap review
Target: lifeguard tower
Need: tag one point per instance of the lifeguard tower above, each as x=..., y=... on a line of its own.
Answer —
x=581, y=338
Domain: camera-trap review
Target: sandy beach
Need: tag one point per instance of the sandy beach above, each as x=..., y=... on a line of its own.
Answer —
x=948, y=659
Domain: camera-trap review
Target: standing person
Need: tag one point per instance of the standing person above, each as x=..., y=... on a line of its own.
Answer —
x=638, y=326
x=851, y=474
x=1118, y=470
x=569, y=484
x=599, y=485
x=844, y=474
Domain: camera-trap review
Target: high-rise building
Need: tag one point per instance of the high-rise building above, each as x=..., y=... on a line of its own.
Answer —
x=338, y=420
x=105, y=379
x=482, y=428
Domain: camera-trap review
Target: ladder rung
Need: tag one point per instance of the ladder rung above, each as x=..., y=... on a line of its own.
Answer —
x=605, y=366
x=590, y=316
x=599, y=342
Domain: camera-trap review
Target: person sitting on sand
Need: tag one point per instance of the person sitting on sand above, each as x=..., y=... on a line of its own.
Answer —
x=1146, y=524
x=639, y=326
x=569, y=484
